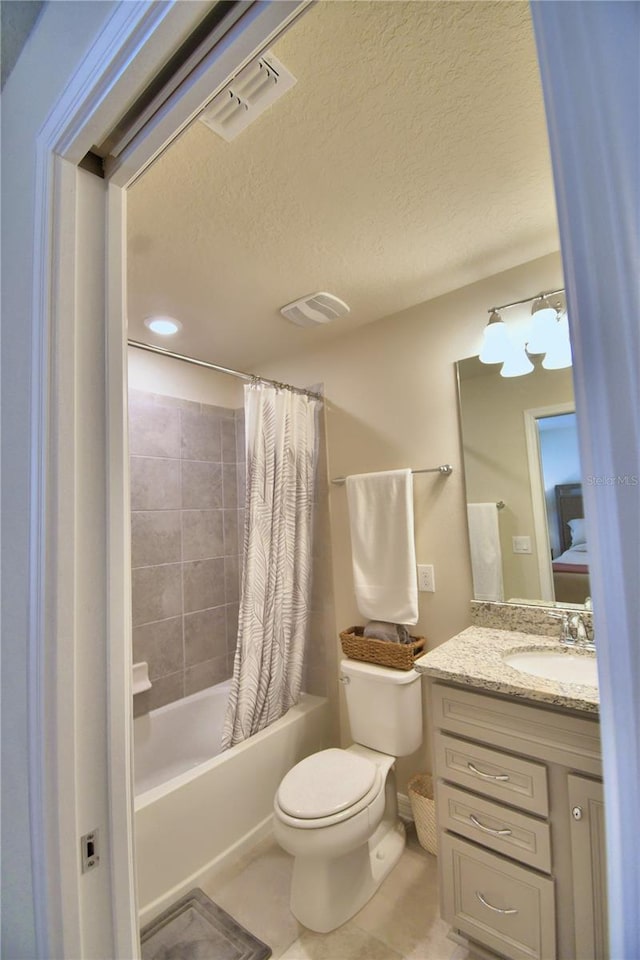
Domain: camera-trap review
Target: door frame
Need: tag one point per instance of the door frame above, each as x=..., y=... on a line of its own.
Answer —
x=139, y=35
x=135, y=41
x=538, y=499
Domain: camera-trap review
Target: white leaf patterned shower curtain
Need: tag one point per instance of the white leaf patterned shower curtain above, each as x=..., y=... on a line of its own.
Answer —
x=276, y=584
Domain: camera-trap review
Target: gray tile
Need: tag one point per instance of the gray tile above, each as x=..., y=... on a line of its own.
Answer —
x=242, y=484
x=202, y=534
x=201, y=485
x=241, y=452
x=200, y=436
x=205, y=674
x=163, y=691
x=228, y=433
x=232, y=610
x=154, y=429
x=211, y=410
x=230, y=532
x=230, y=486
x=205, y=635
x=203, y=584
x=160, y=644
x=155, y=537
x=161, y=400
x=232, y=579
x=156, y=593
x=155, y=484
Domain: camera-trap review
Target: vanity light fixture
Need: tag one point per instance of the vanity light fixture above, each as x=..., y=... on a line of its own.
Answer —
x=544, y=322
x=549, y=336
x=165, y=326
x=558, y=354
x=495, y=342
x=517, y=363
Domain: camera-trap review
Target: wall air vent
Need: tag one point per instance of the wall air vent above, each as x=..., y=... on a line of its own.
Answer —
x=256, y=87
x=314, y=309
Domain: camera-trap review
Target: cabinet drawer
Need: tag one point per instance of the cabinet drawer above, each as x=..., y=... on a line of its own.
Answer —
x=522, y=783
x=536, y=732
x=495, y=826
x=507, y=908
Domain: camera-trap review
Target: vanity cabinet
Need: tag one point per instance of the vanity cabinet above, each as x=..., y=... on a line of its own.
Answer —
x=588, y=857
x=521, y=829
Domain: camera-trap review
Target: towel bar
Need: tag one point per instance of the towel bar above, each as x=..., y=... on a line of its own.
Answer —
x=445, y=469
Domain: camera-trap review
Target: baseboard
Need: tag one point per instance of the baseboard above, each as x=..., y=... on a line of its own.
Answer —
x=404, y=807
x=209, y=870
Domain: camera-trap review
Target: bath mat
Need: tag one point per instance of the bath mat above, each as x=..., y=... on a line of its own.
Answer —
x=195, y=928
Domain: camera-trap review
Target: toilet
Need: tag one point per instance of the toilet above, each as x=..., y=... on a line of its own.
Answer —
x=336, y=811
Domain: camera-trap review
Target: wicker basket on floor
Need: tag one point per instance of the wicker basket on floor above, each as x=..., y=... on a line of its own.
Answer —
x=385, y=653
x=423, y=807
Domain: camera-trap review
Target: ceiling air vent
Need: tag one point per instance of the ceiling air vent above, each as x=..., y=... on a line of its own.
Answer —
x=256, y=87
x=315, y=308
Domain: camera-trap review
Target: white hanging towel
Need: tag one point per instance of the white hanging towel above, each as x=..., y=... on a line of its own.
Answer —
x=486, y=555
x=382, y=545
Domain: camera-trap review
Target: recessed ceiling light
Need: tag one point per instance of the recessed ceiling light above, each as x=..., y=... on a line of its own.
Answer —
x=165, y=326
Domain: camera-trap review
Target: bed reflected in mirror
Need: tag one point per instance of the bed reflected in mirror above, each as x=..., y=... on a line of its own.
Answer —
x=520, y=450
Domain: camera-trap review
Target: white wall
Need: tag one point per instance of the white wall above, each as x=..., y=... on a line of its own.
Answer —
x=52, y=52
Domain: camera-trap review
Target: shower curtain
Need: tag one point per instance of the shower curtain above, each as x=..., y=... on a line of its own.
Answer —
x=276, y=582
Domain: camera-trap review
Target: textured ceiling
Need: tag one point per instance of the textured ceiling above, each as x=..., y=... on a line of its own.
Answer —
x=410, y=159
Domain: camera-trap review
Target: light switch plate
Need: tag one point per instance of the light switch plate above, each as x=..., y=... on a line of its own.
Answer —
x=521, y=544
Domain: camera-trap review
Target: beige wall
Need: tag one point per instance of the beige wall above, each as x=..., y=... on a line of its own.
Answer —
x=392, y=402
x=496, y=460
x=153, y=373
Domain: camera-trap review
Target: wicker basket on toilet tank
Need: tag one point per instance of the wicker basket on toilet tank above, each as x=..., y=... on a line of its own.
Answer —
x=385, y=653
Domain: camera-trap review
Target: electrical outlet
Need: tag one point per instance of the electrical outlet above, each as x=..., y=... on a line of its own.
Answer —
x=426, y=578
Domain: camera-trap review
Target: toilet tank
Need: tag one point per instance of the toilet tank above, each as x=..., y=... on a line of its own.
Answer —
x=384, y=706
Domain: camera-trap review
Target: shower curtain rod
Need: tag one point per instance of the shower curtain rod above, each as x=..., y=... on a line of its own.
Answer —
x=253, y=378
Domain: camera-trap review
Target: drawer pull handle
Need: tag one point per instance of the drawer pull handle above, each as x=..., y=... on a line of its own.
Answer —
x=494, y=833
x=490, y=906
x=487, y=776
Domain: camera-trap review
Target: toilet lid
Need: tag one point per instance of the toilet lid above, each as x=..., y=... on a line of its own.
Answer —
x=325, y=783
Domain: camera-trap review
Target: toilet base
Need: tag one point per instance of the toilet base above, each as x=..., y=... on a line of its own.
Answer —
x=327, y=893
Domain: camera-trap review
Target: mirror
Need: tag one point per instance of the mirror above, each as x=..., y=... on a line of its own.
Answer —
x=521, y=457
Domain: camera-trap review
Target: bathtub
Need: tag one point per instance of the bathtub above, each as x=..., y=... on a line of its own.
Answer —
x=196, y=808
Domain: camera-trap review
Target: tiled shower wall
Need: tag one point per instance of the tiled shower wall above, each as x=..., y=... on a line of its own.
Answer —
x=187, y=503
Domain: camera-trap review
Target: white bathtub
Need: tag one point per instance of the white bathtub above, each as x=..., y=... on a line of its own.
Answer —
x=178, y=737
x=196, y=808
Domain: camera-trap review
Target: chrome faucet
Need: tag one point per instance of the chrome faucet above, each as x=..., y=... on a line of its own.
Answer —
x=573, y=632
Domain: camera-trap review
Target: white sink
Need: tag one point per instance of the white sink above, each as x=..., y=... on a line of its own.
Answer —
x=556, y=665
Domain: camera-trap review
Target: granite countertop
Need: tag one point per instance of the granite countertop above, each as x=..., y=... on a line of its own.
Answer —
x=473, y=658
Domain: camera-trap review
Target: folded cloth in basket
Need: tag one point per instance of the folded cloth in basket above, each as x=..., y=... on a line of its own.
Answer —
x=381, y=630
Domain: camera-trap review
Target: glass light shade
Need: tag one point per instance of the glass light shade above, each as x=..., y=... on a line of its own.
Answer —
x=495, y=342
x=543, y=309
x=543, y=331
x=516, y=364
x=165, y=326
x=558, y=355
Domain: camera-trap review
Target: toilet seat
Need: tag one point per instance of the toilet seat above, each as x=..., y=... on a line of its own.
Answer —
x=326, y=788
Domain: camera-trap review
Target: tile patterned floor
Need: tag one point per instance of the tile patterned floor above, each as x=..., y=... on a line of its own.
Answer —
x=401, y=922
